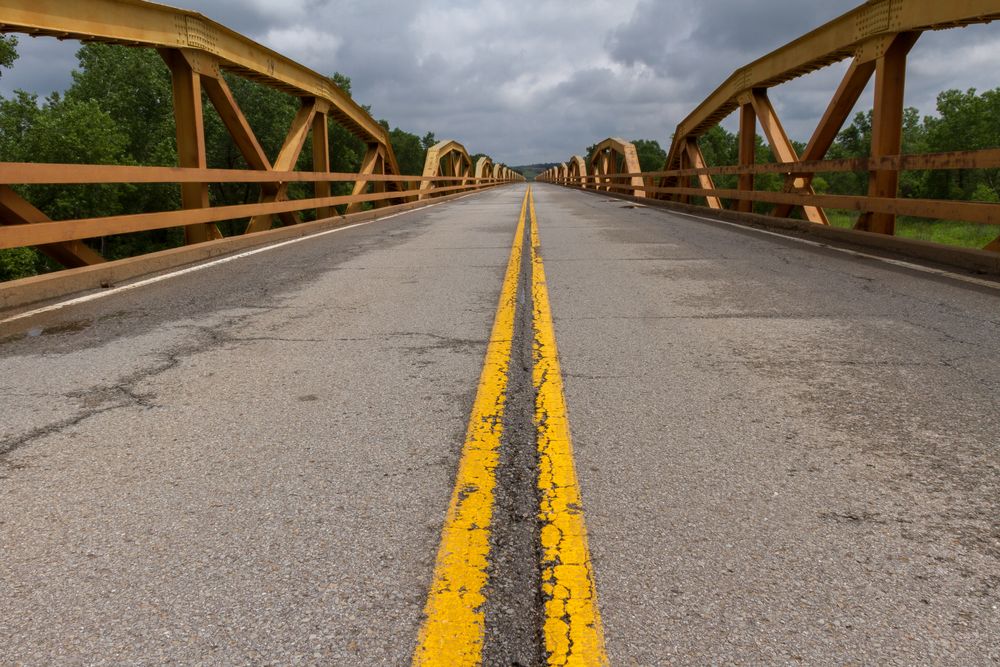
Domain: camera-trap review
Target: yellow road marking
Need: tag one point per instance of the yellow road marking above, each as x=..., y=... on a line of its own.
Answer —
x=453, y=630
x=572, y=624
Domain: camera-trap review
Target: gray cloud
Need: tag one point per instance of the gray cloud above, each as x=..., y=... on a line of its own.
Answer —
x=540, y=80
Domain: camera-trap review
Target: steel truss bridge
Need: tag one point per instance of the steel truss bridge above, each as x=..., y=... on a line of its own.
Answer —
x=612, y=417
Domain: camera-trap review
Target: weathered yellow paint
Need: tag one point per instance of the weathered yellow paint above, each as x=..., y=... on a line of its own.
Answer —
x=453, y=628
x=572, y=623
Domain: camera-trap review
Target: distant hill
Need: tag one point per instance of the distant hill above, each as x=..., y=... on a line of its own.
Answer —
x=529, y=171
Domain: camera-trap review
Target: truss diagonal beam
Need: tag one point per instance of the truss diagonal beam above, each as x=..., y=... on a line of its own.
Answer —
x=837, y=113
x=239, y=129
x=15, y=210
x=371, y=164
x=697, y=161
x=782, y=148
x=286, y=160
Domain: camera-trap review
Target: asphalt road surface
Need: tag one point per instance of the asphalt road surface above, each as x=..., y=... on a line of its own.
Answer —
x=786, y=454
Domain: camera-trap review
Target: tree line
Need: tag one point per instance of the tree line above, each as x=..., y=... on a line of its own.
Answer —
x=119, y=110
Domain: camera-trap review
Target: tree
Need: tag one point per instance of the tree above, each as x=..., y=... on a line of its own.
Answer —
x=966, y=121
x=651, y=156
x=73, y=131
x=17, y=116
x=8, y=50
x=133, y=87
x=410, y=152
x=428, y=140
x=719, y=148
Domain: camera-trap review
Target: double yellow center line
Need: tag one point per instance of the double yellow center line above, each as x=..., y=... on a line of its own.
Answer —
x=454, y=628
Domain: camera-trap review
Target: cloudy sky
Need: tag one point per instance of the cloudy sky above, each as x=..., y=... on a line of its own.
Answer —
x=539, y=80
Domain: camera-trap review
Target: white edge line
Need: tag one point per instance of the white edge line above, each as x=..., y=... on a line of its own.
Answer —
x=895, y=262
x=215, y=262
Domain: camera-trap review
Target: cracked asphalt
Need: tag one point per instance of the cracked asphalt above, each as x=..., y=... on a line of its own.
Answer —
x=248, y=464
x=786, y=455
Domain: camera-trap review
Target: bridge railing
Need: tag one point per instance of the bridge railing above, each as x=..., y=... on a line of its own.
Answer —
x=877, y=38
x=197, y=51
x=645, y=184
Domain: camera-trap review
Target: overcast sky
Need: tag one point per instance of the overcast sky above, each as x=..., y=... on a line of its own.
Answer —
x=540, y=80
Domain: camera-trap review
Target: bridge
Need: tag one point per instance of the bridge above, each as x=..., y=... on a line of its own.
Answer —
x=610, y=417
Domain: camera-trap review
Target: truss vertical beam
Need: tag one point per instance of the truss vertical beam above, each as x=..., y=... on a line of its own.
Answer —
x=685, y=164
x=887, y=128
x=190, y=124
x=748, y=153
x=321, y=161
x=379, y=186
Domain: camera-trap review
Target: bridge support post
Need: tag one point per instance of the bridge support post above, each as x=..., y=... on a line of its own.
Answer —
x=887, y=128
x=190, y=140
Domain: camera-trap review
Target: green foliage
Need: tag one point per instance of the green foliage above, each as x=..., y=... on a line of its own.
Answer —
x=651, y=156
x=8, y=50
x=19, y=263
x=119, y=110
x=428, y=140
x=72, y=131
x=17, y=116
x=985, y=193
x=132, y=86
x=410, y=152
x=966, y=121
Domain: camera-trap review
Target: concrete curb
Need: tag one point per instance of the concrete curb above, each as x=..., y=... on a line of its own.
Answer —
x=967, y=259
x=28, y=291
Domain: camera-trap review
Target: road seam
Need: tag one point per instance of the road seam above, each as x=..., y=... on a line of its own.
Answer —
x=467, y=583
x=572, y=629
x=453, y=630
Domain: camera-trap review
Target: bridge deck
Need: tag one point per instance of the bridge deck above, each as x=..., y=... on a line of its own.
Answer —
x=786, y=453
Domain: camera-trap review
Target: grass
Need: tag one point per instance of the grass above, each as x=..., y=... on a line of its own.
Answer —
x=948, y=232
